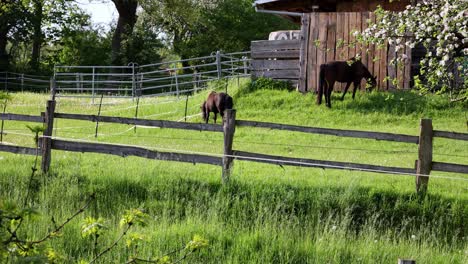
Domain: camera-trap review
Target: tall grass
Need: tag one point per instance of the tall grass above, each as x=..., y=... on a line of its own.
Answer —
x=267, y=214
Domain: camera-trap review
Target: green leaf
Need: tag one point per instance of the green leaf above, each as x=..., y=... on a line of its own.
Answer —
x=134, y=217
x=196, y=243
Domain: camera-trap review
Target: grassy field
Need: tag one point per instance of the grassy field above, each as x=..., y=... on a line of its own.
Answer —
x=267, y=214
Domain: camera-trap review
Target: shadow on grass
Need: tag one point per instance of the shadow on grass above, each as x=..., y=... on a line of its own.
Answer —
x=242, y=205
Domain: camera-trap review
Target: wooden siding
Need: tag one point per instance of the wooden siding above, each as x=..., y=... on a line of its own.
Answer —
x=331, y=38
x=276, y=59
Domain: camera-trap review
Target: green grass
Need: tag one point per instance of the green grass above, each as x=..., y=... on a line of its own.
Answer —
x=267, y=214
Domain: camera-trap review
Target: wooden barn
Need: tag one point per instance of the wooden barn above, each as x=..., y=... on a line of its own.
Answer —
x=326, y=35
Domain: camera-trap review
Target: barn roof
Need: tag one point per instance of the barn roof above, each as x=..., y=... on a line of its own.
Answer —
x=302, y=6
x=308, y=6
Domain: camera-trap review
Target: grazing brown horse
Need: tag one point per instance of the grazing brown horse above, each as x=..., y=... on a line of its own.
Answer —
x=216, y=103
x=341, y=71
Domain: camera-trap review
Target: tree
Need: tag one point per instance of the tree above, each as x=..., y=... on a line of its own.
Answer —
x=197, y=28
x=179, y=20
x=124, y=29
x=38, y=15
x=441, y=26
x=13, y=24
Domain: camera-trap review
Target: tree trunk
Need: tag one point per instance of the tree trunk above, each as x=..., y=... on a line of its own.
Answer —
x=178, y=41
x=37, y=38
x=4, y=58
x=125, y=24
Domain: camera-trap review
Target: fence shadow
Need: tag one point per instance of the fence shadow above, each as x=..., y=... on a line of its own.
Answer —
x=241, y=201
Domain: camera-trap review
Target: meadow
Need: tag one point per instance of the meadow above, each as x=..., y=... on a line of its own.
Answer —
x=267, y=213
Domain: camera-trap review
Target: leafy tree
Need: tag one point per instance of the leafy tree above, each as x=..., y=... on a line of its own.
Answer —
x=196, y=28
x=441, y=26
x=48, y=18
x=13, y=25
x=144, y=45
x=179, y=20
x=34, y=28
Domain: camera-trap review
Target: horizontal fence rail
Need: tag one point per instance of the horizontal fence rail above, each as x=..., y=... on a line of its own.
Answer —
x=125, y=151
x=143, y=122
x=20, y=117
x=334, y=132
x=10, y=81
x=18, y=149
x=279, y=160
x=451, y=135
x=449, y=167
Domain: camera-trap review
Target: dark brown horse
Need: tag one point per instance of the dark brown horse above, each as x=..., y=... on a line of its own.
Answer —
x=344, y=72
x=216, y=103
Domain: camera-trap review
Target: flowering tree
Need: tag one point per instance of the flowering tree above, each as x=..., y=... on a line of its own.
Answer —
x=439, y=25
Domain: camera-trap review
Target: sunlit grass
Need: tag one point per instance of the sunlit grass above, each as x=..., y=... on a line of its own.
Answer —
x=268, y=214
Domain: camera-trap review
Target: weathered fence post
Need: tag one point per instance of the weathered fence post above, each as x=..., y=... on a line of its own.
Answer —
x=229, y=127
x=303, y=53
x=406, y=261
x=47, y=140
x=424, y=163
x=244, y=58
x=22, y=82
x=218, y=64
x=3, y=121
x=6, y=81
x=92, y=84
x=53, y=88
x=176, y=80
x=98, y=115
x=77, y=79
x=186, y=105
x=136, y=111
x=133, y=80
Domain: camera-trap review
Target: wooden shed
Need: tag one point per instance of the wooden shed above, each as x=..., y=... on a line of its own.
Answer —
x=326, y=35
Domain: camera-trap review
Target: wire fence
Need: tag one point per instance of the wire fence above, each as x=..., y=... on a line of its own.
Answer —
x=16, y=82
x=180, y=77
x=250, y=158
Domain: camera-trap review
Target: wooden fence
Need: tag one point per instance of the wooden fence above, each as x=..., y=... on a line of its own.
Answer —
x=276, y=59
x=424, y=165
x=328, y=37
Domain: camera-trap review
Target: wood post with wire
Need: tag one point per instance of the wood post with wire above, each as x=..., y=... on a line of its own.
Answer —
x=406, y=261
x=424, y=162
x=229, y=127
x=46, y=139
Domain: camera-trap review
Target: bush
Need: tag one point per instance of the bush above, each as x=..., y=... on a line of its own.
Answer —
x=269, y=84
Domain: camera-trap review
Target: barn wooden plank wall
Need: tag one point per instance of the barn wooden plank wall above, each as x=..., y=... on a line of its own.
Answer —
x=276, y=59
x=331, y=38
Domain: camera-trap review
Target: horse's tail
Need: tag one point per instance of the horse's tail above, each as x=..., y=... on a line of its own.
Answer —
x=321, y=84
x=229, y=103
x=203, y=110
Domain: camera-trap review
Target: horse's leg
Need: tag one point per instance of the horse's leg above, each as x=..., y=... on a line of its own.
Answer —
x=215, y=116
x=329, y=92
x=221, y=113
x=345, y=90
x=207, y=117
x=325, y=91
x=357, y=86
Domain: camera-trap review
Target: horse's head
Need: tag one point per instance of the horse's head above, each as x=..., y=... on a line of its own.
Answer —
x=203, y=110
x=372, y=81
